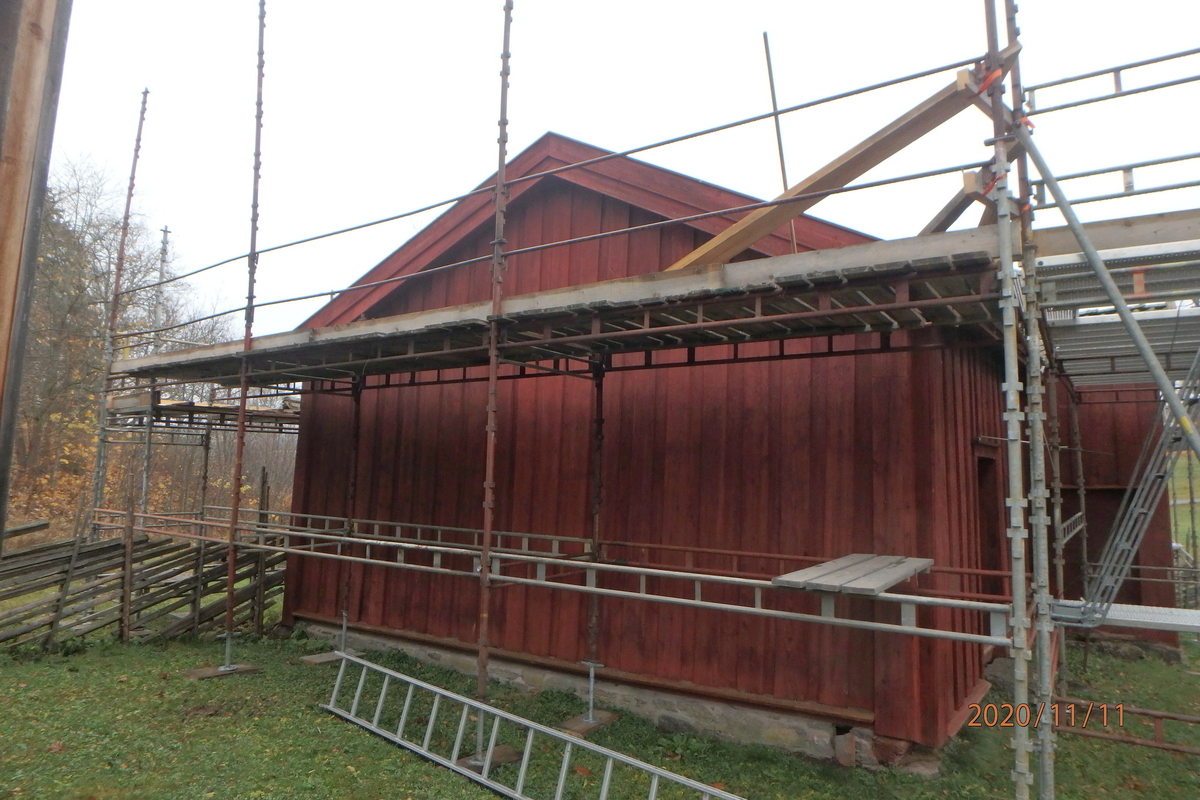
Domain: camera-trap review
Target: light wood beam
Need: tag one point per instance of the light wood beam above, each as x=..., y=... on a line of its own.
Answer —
x=854, y=162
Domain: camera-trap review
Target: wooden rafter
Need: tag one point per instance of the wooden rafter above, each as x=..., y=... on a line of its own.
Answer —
x=854, y=162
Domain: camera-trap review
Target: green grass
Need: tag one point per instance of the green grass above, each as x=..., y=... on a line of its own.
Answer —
x=120, y=722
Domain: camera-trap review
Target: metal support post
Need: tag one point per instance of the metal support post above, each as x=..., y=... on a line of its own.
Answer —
x=1056, y=483
x=778, y=132
x=498, y=267
x=593, y=625
x=100, y=474
x=156, y=346
x=592, y=666
x=1013, y=416
x=345, y=569
x=1035, y=416
x=1191, y=478
x=1056, y=515
x=244, y=375
x=1080, y=481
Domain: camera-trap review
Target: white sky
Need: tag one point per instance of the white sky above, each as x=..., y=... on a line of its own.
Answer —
x=383, y=107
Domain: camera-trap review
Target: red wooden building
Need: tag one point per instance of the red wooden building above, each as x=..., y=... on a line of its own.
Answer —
x=869, y=451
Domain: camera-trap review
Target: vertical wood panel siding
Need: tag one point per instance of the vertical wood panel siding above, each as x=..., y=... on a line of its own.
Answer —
x=820, y=457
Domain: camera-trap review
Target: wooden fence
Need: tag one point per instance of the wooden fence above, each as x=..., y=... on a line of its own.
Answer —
x=143, y=585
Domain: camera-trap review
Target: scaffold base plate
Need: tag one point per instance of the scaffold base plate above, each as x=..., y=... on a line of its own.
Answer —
x=204, y=673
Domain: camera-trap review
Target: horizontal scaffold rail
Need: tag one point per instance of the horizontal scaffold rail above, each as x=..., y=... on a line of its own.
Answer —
x=573, y=571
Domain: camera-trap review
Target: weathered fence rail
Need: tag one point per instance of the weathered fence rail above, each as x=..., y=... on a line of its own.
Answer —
x=144, y=585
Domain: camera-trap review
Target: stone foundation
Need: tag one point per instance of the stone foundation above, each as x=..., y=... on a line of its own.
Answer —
x=672, y=712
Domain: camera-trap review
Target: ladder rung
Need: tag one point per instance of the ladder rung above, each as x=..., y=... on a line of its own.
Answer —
x=458, y=737
x=362, y=680
x=562, y=773
x=382, y=697
x=487, y=759
x=437, y=698
x=404, y=713
x=524, y=761
x=604, y=783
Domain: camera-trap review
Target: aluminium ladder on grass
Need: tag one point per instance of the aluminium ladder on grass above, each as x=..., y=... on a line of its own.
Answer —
x=546, y=763
x=1155, y=466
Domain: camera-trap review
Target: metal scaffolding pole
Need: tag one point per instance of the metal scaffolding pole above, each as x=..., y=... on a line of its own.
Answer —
x=1013, y=416
x=1191, y=477
x=155, y=347
x=1080, y=481
x=778, y=132
x=1056, y=514
x=593, y=625
x=499, y=265
x=1056, y=482
x=346, y=569
x=1035, y=421
x=244, y=383
x=100, y=475
x=1035, y=416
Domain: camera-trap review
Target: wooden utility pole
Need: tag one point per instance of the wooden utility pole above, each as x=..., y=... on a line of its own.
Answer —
x=33, y=39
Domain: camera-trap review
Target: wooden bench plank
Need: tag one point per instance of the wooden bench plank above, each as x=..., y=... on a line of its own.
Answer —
x=883, y=579
x=799, y=579
x=833, y=581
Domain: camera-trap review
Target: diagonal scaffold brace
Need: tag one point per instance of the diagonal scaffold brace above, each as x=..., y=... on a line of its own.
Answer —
x=1164, y=383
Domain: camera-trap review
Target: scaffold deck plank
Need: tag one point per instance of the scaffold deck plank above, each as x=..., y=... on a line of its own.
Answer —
x=858, y=573
x=1159, y=618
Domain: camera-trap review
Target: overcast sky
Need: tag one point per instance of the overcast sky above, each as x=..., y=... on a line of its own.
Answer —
x=374, y=107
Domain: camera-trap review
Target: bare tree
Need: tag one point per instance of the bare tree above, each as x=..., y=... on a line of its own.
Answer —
x=64, y=372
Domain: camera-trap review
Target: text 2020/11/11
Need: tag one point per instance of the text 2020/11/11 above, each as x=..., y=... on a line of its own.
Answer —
x=1069, y=715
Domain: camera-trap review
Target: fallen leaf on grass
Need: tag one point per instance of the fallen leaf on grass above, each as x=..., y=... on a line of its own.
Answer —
x=202, y=710
x=56, y=747
x=583, y=771
x=717, y=785
x=122, y=679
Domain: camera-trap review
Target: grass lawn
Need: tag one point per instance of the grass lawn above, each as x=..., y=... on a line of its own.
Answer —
x=120, y=722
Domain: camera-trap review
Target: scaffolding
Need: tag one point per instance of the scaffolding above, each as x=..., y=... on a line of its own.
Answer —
x=1004, y=284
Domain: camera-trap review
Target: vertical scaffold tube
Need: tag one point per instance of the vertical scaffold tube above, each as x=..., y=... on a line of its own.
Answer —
x=593, y=627
x=100, y=472
x=1035, y=416
x=499, y=264
x=1012, y=387
x=244, y=374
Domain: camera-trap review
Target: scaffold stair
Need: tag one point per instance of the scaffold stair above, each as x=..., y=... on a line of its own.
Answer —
x=513, y=756
x=1155, y=466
